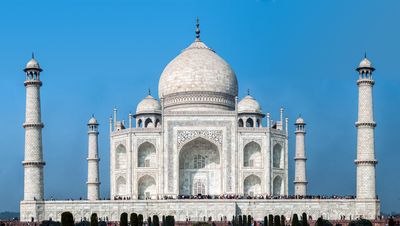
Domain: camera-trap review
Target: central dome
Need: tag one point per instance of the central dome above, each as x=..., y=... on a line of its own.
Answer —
x=198, y=70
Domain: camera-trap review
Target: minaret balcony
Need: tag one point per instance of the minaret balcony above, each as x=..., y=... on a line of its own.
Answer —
x=300, y=158
x=30, y=125
x=33, y=83
x=366, y=124
x=300, y=182
x=365, y=81
x=29, y=163
x=366, y=162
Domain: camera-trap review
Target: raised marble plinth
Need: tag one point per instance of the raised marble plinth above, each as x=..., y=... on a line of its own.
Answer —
x=331, y=209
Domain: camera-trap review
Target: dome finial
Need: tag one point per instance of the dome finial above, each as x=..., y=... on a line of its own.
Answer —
x=33, y=55
x=365, y=55
x=149, y=92
x=197, y=29
x=248, y=92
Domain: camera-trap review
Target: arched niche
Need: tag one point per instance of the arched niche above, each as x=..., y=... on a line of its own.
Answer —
x=121, y=186
x=277, y=186
x=249, y=122
x=120, y=157
x=252, y=155
x=146, y=187
x=277, y=160
x=148, y=123
x=252, y=185
x=199, y=164
x=146, y=155
x=240, y=123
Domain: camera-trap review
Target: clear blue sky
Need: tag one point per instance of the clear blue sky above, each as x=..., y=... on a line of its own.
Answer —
x=297, y=54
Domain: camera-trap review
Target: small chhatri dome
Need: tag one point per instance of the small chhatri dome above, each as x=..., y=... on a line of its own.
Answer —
x=300, y=120
x=148, y=105
x=32, y=64
x=93, y=121
x=249, y=105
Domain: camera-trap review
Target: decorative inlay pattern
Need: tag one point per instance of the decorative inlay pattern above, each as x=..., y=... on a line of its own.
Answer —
x=144, y=140
x=184, y=136
x=247, y=140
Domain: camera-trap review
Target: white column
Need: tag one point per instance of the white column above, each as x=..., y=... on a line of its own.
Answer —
x=93, y=181
x=300, y=179
x=33, y=161
x=365, y=161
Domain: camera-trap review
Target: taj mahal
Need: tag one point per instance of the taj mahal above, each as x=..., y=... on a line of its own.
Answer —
x=199, y=151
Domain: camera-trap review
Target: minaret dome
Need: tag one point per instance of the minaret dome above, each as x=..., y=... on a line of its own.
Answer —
x=32, y=64
x=365, y=68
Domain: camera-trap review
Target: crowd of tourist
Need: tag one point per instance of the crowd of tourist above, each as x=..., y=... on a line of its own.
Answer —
x=122, y=198
x=230, y=196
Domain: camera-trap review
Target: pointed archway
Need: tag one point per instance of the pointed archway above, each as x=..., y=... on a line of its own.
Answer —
x=199, y=168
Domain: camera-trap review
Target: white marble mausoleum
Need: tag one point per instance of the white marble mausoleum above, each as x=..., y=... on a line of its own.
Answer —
x=197, y=139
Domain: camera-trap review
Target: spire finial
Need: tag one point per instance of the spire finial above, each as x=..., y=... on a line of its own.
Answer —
x=33, y=55
x=93, y=115
x=149, y=92
x=197, y=29
x=248, y=92
x=365, y=54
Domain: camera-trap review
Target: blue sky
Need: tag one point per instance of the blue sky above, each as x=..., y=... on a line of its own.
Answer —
x=297, y=54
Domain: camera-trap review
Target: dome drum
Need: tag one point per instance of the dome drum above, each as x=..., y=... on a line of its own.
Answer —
x=200, y=97
x=262, y=115
x=143, y=113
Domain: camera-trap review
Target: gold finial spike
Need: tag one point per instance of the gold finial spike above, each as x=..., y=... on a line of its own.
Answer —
x=197, y=28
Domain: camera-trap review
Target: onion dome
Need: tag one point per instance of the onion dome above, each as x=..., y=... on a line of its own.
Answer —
x=32, y=64
x=197, y=69
x=365, y=64
x=93, y=121
x=249, y=105
x=198, y=76
x=300, y=120
x=148, y=105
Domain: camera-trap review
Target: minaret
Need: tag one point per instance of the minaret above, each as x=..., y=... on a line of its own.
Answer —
x=33, y=161
x=300, y=179
x=365, y=161
x=93, y=182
